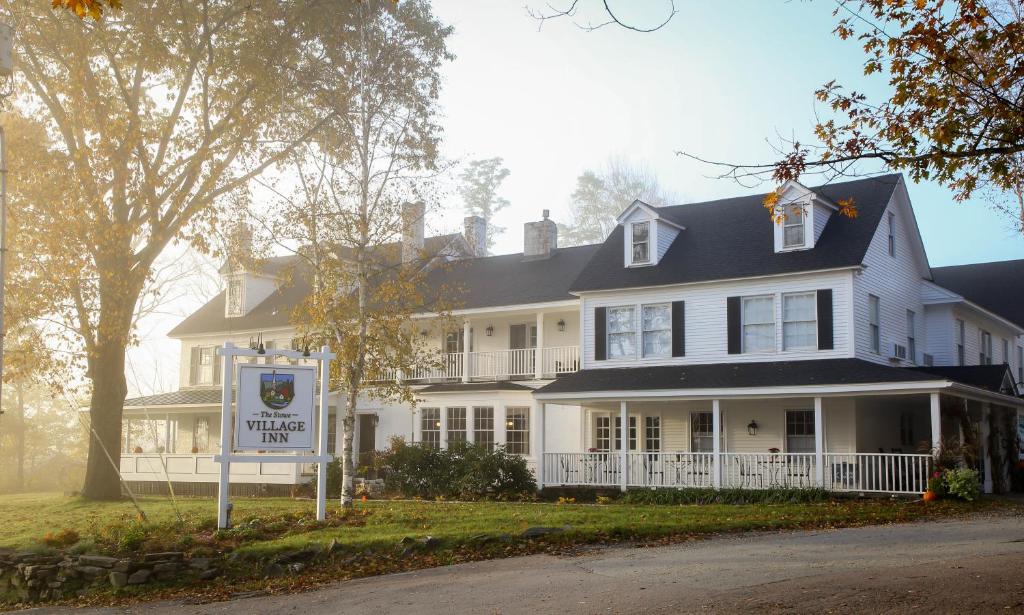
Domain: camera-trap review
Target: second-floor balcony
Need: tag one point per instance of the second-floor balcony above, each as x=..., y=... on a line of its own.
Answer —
x=512, y=364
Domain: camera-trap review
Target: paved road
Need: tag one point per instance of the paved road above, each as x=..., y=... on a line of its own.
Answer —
x=950, y=566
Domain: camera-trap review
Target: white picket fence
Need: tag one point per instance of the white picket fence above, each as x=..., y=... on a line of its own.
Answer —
x=855, y=472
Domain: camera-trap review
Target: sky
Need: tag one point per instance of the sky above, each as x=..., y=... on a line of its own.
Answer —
x=556, y=100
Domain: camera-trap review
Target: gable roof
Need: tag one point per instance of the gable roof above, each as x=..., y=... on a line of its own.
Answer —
x=733, y=238
x=490, y=281
x=998, y=287
x=996, y=378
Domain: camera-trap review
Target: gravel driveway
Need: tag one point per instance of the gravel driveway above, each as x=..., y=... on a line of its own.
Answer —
x=975, y=564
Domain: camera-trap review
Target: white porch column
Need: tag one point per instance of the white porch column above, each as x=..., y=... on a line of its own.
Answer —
x=716, y=427
x=986, y=459
x=417, y=426
x=470, y=425
x=465, y=350
x=819, y=444
x=623, y=446
x=539, y=442
x=936, y=415
x=444, y=427
x=538, y=352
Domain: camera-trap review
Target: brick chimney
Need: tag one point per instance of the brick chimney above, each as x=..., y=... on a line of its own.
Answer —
x=540, y=239
x=476, y=235
x=412, y=231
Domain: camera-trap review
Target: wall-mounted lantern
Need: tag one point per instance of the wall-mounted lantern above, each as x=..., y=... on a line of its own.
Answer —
x=561, y=324
x=752, y=428
x=489, y=330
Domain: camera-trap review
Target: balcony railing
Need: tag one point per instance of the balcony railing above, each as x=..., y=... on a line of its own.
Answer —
x=495, y=365
x=857, y=472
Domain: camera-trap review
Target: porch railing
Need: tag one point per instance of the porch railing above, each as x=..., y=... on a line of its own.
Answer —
x=493, y=365
x=858, y=472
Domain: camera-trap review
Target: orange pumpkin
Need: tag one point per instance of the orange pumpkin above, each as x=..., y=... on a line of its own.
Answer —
x=930, y=496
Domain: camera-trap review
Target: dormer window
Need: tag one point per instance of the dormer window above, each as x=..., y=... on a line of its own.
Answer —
x=793, y=233
x=235, y=298
x=641, y=243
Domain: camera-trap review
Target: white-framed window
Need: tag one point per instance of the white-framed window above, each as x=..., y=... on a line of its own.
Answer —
x=874, y=324
x=1020, y=367
x=430, y=427
x=632, y=433
x=907, y=429
x=483, y=426
x=652, y=433
x=799, y=431
x=1006, y=351
x=235, y=298
x=911, y=336
x=603, y=432
x=641, y=238
x=201, y=434
x=702, y=432
x=204, y=368
x=332, y=433
x=793, y=233
x=454, y=341
x=985, y=355
x=892, y=234
x=621, y=332
x=961, y=341
x=456, y=424
x=799, y=321
x=517, y=430
x=759, y=324
x=657, y=330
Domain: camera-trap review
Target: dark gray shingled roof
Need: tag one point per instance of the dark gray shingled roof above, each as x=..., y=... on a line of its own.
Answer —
x=176, y=398
x=990, y=377
x=733, y=238
x=733, y=375
x=997, y=287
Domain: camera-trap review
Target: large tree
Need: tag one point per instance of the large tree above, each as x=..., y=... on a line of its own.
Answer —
x=602, y=194
x=479, y=183
x=346, y=211
x=956, y=113
x=156, y=114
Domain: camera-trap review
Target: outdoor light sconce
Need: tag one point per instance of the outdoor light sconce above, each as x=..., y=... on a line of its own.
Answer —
x=561, y=325
x=423, y=333
x=489, y=330
x=375, y=420
x=257, y=344
x=752, y=428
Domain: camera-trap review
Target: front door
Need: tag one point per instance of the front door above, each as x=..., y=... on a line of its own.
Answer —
x=521, y=338
x=367, y=440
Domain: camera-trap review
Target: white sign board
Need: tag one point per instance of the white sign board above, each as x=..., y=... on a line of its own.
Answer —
x=275, y=408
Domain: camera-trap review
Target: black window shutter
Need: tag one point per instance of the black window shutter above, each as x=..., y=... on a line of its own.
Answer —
x=733, y=324
x=678, y=328
x=600, y=337
x=216, y=368
x=825, y=319
x=193, y=372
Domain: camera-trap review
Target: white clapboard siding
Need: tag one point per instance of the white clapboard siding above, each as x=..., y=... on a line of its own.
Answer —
x=706, y=328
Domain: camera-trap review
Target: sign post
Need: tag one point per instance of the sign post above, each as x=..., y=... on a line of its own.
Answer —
x=274, y=414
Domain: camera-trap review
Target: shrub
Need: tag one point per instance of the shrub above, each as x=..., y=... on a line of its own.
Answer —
x=62, y=538
x=725, y=496
x=937, y=484
x=463, y=471
x=962, y=483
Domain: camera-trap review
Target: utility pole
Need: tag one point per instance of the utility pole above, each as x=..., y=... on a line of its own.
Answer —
x=6, y=74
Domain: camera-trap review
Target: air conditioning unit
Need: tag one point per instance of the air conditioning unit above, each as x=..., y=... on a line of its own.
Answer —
x=899, y=352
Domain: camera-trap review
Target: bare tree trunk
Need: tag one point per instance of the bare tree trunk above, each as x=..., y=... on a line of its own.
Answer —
x=109, y=388
x=19, y=440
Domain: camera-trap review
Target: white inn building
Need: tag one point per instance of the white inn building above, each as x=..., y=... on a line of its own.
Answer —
x=698, y=345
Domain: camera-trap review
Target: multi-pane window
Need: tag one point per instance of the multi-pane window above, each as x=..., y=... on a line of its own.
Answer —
x=517, y=431
x=652, y=433
x=201, y=434
x=799, y=321
x=793, y=227
x=483, y=426
x=632, y=433
x=235, y=296
x=332, y=433
x=907, y=429
x=603, y=432
x=799, y=431
x=456, y=424
x=874, y=324
x=985, y=355
x=911, y=336
x=430, y=427
x=621, y=332
x=892, y=234
x=758, y=324
x=641, y=242
x=702, y=432
x=657, y=330
x=961, y=339
x=454, y=341
x=205, y=367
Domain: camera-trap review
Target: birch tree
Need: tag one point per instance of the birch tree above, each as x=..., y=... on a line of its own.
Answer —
x=378, y=151
x=156, y=114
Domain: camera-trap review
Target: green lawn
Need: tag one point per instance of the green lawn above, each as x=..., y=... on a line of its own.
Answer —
x=25, y=519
